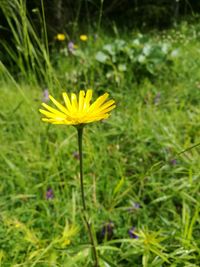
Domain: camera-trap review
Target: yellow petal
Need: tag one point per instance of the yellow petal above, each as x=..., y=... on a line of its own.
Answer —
x=105, y=105
x=106, y=110
x=67, y=101
x=53, y=110
x=56, y=121
x=98, y=102
x=88, y=98
x=52, y=115
x=98, y=118
x=81, y=100
x=58, y=105
x=74, y=102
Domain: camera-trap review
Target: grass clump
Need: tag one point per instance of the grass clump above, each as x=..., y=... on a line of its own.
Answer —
x=143, y=193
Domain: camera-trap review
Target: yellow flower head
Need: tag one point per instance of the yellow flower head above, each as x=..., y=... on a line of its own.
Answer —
x=78, y=110
x=60, y=37
x=83, y=37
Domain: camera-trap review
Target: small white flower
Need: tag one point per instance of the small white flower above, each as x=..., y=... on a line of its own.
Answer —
x=165, y=48
x=175, y=53
x=147, y=49
x=141, y=58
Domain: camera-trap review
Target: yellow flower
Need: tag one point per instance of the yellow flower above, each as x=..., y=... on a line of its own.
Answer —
x=60, y=37
x=83, y=37
x=78, y=110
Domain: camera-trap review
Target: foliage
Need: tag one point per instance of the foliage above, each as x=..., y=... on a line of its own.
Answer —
x=143, y=193
x=72, y=15
x=141, y=55
x=25, y=48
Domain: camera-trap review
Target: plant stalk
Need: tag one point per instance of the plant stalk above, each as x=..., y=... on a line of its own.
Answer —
x=80, y=141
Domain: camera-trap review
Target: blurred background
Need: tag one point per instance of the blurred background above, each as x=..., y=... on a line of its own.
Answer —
x=141, y=165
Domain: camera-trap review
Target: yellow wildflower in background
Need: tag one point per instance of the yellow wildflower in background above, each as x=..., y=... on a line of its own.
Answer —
x=78, y=110
x=83, y=37
x=60, y=37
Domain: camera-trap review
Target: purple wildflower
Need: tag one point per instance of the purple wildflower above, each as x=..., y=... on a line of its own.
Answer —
x=76, y=155
x=45, y=97
x=173, y=162
x=70, y=47
x=157, y=98
x=49, y=194
x=134, y=206
x=132, y=234
x=107, y=231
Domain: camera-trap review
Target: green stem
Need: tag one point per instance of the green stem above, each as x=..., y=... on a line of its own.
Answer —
x=80, y=141
x=100, y=16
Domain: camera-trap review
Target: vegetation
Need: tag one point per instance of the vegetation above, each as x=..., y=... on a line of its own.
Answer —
x=141, y=166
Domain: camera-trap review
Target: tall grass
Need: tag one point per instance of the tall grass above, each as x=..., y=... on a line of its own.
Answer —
x=134, y=172
x=27, y=48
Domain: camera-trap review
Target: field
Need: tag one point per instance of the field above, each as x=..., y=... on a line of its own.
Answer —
x=141, y=165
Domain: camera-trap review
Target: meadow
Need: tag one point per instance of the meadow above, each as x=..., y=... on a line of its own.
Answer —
x=141, y=165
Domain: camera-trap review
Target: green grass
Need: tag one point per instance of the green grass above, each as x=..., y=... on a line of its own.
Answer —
x=131, y=158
